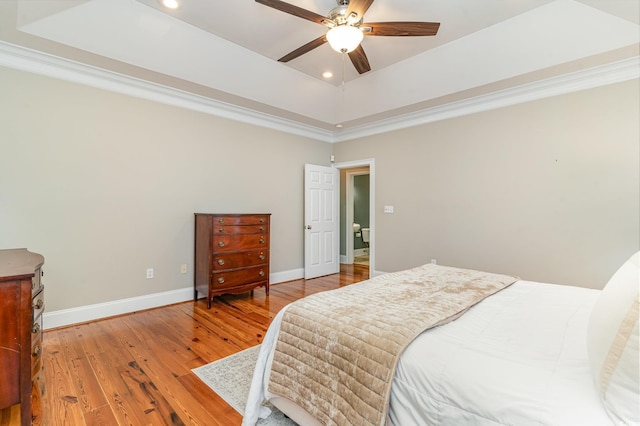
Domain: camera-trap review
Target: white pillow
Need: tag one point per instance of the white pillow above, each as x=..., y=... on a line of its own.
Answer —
x=612, y=343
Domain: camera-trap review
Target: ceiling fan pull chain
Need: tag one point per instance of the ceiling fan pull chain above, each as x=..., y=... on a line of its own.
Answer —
x=344, y=55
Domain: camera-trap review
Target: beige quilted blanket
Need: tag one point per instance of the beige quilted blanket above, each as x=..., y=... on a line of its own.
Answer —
x=337, y=351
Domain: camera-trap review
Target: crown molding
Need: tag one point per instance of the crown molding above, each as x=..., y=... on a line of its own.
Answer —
x=17, y=57
x=615, y=72
x=20, y=58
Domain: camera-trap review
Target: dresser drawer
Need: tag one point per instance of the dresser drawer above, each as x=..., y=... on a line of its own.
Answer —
x=239, y=229
x=38, y=304
x=36, y=346
x=222, y=280
x=36, y=329
x=36, y=354
x=225, y=243
x=241, y=220
x=239, y=260
x=36, y=282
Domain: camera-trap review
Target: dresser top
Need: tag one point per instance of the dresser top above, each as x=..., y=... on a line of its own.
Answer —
x=15, y=263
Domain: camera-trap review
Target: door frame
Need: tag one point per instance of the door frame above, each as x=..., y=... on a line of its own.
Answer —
x=371, y=163
x=349, y=213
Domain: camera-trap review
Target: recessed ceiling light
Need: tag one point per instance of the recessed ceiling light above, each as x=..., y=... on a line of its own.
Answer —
x=339, y=126
x=327, y=74
x=170, y=4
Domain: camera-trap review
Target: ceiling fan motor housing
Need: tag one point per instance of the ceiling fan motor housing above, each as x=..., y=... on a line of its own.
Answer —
x=345, y=23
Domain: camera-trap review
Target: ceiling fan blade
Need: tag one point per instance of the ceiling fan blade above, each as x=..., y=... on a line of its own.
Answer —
x=402, y=29
x=304, y=49
x=359, y=6
x=359, y=60
x=293, y=10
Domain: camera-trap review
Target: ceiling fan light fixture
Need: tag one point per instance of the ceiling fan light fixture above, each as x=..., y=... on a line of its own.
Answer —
x=344, y=38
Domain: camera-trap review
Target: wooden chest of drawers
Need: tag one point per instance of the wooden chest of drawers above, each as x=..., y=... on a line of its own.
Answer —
x=21, y=308
x=231, y=254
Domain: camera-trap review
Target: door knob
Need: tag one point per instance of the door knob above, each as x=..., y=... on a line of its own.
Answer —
x=308, y=227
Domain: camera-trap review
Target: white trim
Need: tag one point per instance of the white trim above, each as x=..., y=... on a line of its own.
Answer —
x=23, y=59
x=378, y=273
x=284, y=276
x=17, y=57
x=66, y=317
x=616, y=72
x=349, y=214
x=86, y=313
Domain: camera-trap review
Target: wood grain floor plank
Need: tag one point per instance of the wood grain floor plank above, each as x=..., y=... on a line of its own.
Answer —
x=60, y=403
x=87, y=388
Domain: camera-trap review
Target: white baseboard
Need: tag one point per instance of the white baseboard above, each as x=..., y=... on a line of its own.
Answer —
x=66, y=317
x=280, y=277
x=86, y=313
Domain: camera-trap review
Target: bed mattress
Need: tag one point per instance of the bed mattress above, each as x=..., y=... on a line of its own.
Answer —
x=517, y=358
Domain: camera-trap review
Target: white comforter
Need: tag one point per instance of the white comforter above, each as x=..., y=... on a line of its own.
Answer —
x=517, y=358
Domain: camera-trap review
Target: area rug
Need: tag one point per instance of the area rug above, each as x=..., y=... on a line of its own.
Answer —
x=230, y=378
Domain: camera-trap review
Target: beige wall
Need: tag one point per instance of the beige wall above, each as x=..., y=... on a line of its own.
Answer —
x=105, y=185
x=547, y=190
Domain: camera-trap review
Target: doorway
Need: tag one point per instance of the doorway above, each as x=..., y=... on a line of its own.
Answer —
x=353, y=248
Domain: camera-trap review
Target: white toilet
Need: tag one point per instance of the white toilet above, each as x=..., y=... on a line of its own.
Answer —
x=365, y=235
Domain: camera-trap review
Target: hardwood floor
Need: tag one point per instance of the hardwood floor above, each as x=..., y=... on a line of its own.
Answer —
x=135, y=369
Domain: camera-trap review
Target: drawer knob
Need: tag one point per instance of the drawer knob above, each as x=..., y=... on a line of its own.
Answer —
x=261, y=257
x=220, y=262
x=261, y=228
x=261, y=220
x=221, y=243
x=38, y=305
x=261, y=240
x=221, y=230
x=261, y=273
x=220, y=280
x=37, y=351
x=35, y=328
x=220, y=220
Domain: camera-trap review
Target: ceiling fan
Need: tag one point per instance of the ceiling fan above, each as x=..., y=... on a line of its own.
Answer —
x=346, y=29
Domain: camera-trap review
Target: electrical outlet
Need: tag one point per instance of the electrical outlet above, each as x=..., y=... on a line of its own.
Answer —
x=183, y=268
x=388, y=209
x=149, y=272
x=433, y=261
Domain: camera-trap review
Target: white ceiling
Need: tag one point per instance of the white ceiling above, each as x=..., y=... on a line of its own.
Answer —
x=227, y=51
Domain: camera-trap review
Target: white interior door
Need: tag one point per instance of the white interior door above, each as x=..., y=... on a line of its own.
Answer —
x=321, y=215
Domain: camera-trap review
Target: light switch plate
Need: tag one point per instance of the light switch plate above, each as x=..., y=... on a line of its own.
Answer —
x=388, y=209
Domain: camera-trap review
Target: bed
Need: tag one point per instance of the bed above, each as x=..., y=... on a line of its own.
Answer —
x=527, y=353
